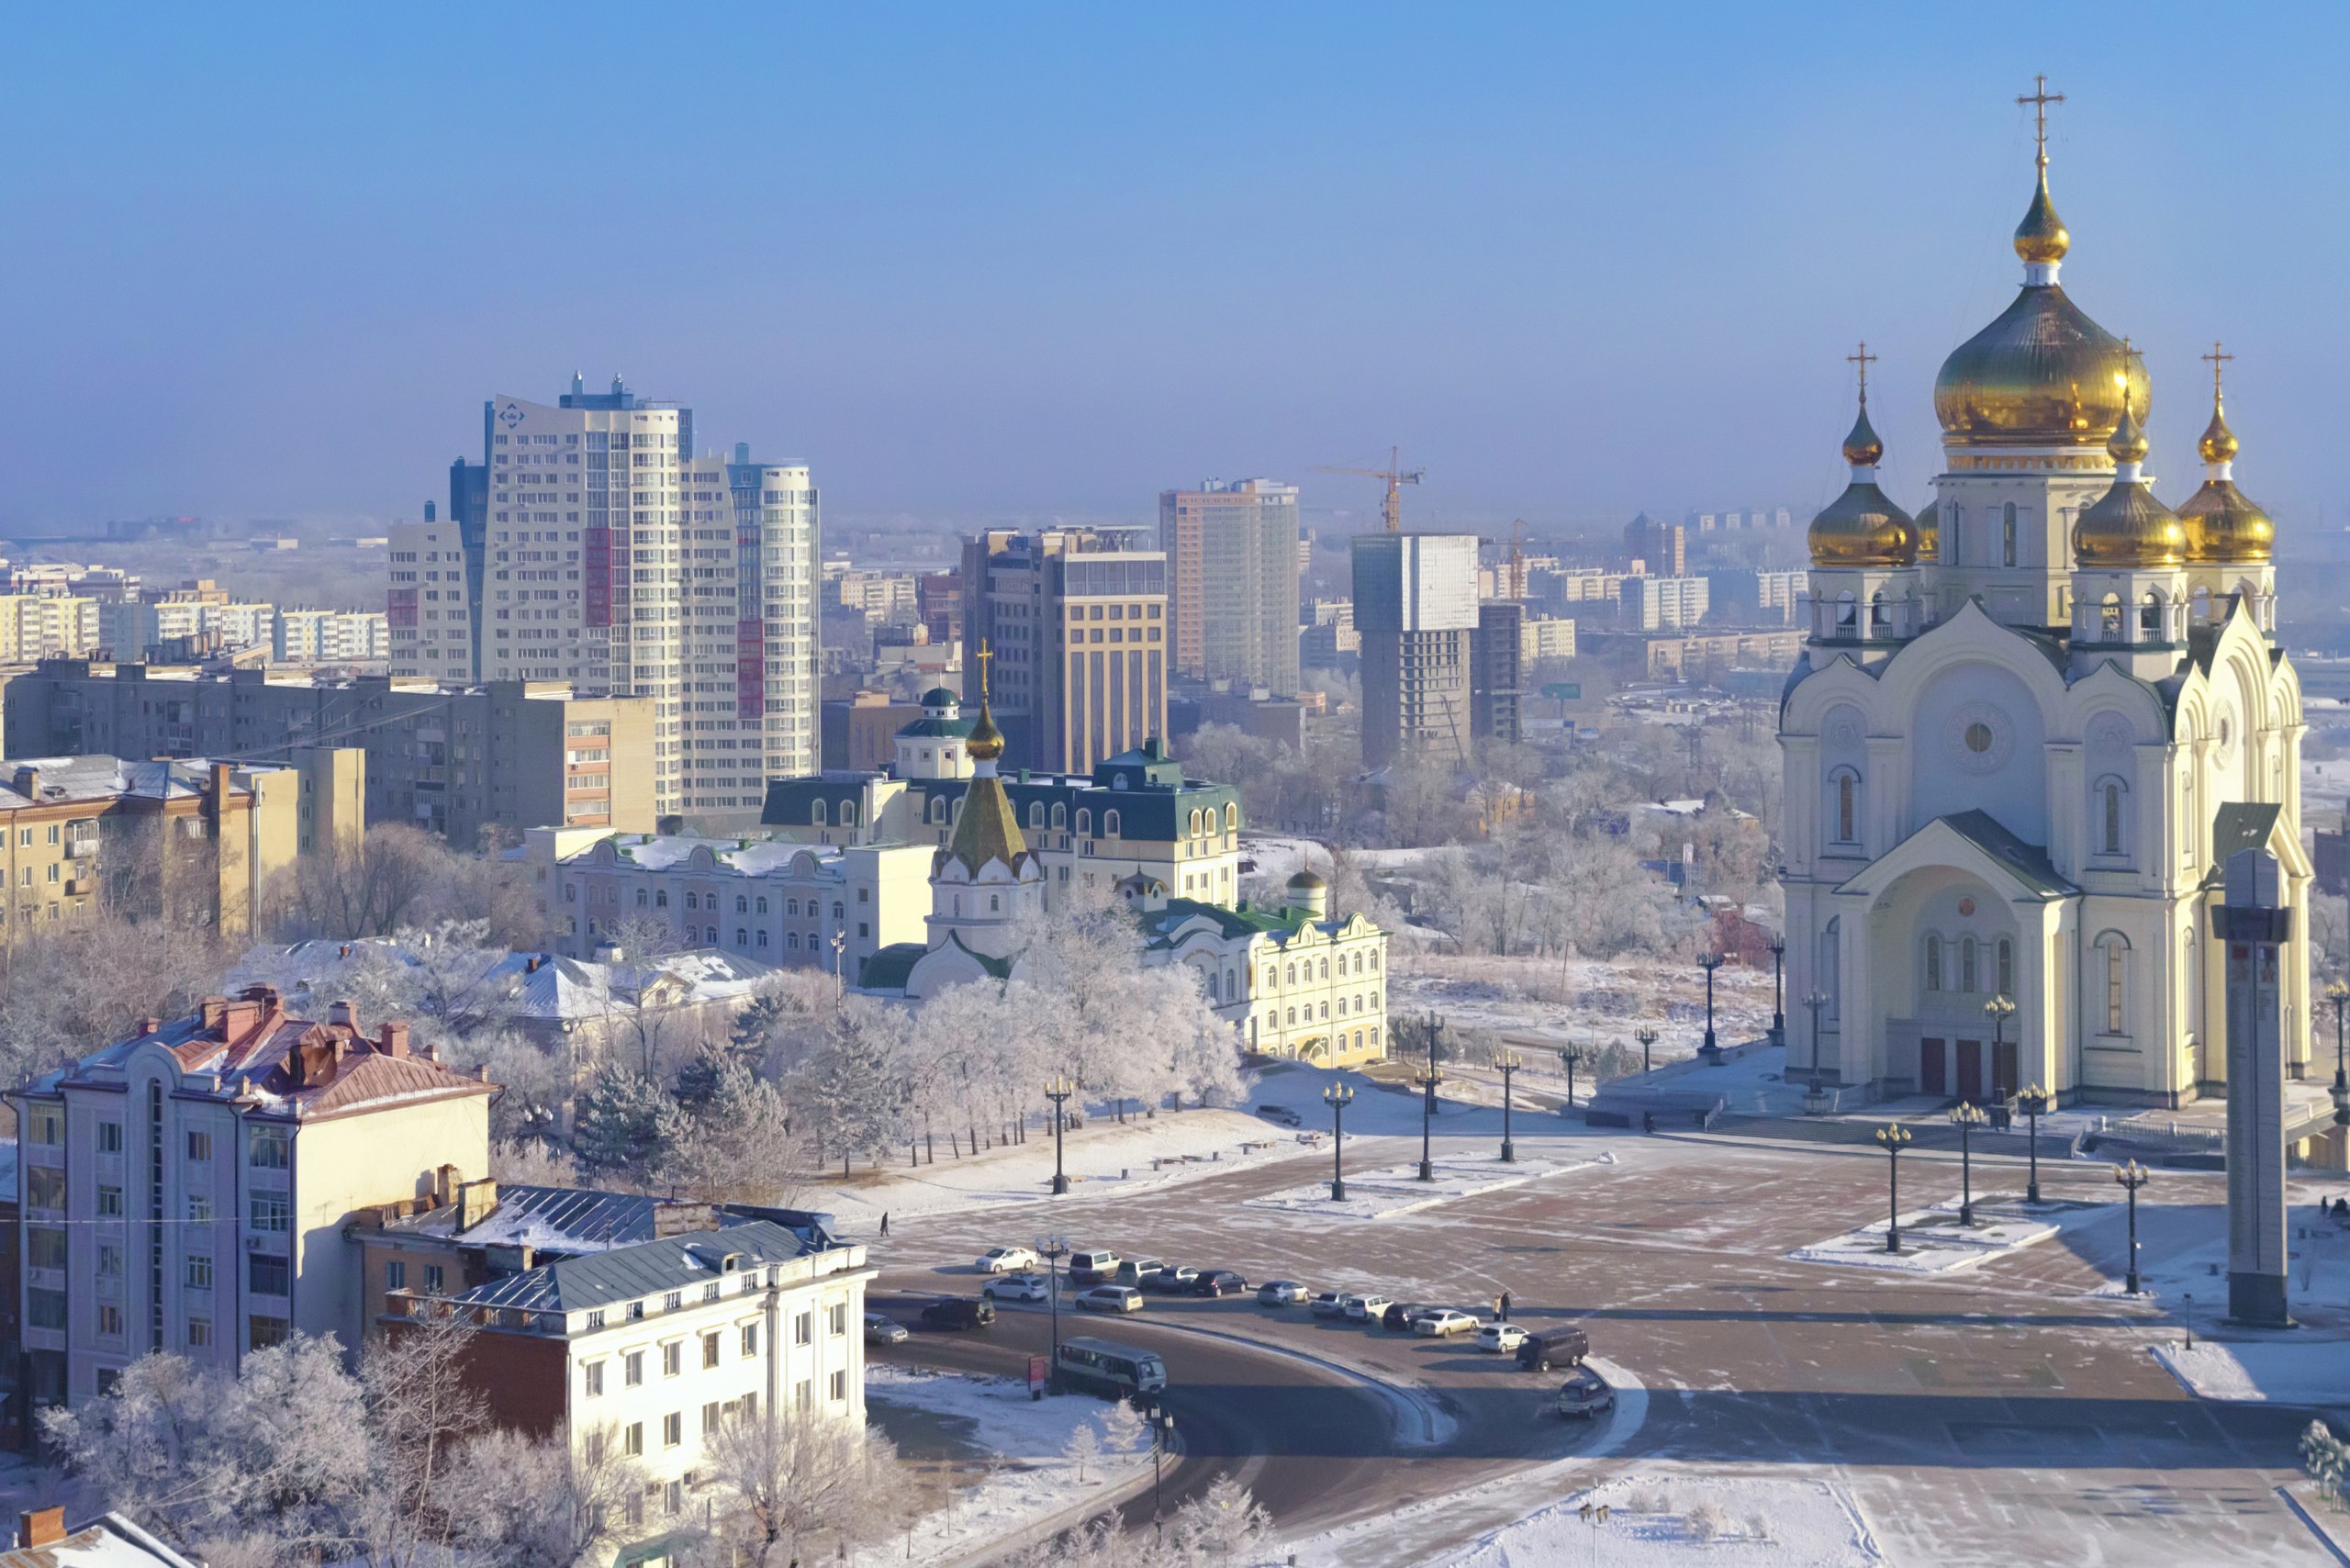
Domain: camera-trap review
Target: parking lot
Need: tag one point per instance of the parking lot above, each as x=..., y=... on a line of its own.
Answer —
x=2005, y=1414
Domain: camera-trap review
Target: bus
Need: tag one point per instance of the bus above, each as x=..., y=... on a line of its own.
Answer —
x=1105, y=1367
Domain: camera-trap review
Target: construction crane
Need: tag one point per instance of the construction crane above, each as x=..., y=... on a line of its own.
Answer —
x=1396, y=477
x=1517, y=558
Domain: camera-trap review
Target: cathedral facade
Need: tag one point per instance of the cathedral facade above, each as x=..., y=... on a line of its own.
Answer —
x=2030, y=724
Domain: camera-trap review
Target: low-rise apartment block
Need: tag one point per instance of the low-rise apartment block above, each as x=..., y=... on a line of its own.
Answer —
x=187, y=1188
x=330, y=636
x=1660, y=604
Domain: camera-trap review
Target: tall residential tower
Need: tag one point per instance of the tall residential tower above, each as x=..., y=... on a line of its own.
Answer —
x=1232, y=565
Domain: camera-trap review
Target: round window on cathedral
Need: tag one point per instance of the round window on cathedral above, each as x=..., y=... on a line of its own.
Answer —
x=2227, y=732
x=1978, y=738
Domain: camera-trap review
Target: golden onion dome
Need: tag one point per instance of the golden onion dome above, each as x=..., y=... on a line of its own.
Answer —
x=985, y=743
x=1863, y=528
x=2128, y=527
x=2219, y=442
x=1862, y=448
x=1930, y=531
x=2043, y=374
x=2223, y=527
x=2127, y=443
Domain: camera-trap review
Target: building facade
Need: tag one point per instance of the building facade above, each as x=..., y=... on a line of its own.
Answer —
x=1075, y=621
x=187, y=1190
x=1662, y=604
x=1232, y=565
x=1416, y=613
x=2030, y=728
x=1292, y=983
x=330, y=636
x=428, y=605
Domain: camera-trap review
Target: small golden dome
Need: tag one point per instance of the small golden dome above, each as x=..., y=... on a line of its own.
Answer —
x=2128, y=442
x=985, y=743
x=1862, y=448
x=2128, y=527
x=1930, y=531
x=2041, y=236
x=2219, y=442
x=1863, y=528
x=2223, y=527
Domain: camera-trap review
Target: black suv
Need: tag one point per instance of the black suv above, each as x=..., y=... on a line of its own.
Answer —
x=958, y=1312
x=1219, y=1282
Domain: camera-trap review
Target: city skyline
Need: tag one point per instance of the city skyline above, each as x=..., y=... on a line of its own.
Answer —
x=969, y=270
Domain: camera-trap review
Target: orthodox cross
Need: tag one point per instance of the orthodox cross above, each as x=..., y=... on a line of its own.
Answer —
x=2216, y=360
x=985, y=654
x=2039, y=99
x=1864, y=359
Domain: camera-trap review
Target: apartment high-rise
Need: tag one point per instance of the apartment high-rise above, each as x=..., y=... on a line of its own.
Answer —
x=609, y=554
x=1232, y=568
x=1075, y=621
x=1415, y=611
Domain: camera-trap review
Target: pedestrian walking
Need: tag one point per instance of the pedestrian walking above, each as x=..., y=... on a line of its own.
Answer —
x=1505, y=1307
x=885, y=1222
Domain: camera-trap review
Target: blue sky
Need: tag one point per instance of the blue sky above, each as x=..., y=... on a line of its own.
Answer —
x=983, y=262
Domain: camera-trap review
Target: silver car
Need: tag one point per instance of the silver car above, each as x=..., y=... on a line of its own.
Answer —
x=1111, y=1298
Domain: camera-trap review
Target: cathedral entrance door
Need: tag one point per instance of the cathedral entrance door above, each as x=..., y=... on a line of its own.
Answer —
x=1970, y=1072
x=1932, y=1078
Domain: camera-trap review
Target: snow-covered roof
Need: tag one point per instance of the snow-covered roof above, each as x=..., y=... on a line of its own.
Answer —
x=109, y=1540
x=567, y=1221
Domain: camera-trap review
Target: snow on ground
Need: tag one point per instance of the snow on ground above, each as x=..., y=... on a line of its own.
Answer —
x=1397, y=1189
x=2285, y=1371
x=1659, y=1516
x=1585, y=1000
x=1933, y=1242
x=1031, y=1478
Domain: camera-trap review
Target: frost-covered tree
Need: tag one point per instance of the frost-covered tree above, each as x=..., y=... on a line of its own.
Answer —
x=851, y=1087
x=788, y=1490
x=1083, y=1448
x=731, y=1141
x=538, y=1502
x=623, y=1123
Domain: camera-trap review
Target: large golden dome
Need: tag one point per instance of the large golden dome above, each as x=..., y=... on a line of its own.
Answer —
x=2043, y=374
x=2223, y=527
x=2128, y=527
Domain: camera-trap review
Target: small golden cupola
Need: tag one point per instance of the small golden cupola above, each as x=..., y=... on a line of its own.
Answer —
x=1863, y=528
x=2128, y=527
x=2223, y=527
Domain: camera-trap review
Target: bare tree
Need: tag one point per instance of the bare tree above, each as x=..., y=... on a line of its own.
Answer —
x=422, y=1410
x=787, y=1489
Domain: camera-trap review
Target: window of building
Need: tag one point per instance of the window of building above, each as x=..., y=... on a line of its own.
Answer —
x=673, y=1358
x=109, y=1318
x=49, y=1125
x=268, y=1275
x=673, y=1428
x=433, y=1279
x=750, y=1339
x=2116, y=950
x=2007, y=535
x=840, y=1318
x=633, y=1369
x=1933, y=963
x=840, y=1386
x=2112, y=799
x=269, y=1212
x=109, y=1137
x=1968, y=965
x=200, y=1272
x=265, y=1150
x=109, y=1201
x=803, y=1395
x=396, y=1275
x=1845, y=786
x=709, y=1419
x=262, y=1332
x=709, y=1349
x=199, y=1208
x=199, y=1145
x=803, y=1328
x=199, y=1333
x=633, y=1439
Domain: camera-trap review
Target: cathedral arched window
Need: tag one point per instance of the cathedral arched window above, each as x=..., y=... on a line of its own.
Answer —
x=2113, y=949
x=2109, y=618
x=1970, y=966
x=2007, y=535
x=1844, y=806
x=848, y=814
x=939, y=809
x=1195, y=822
x=995, y=903
x=692, y=900
x=1933, y=963
x=742, y=904
x=2006, y=967
x=1847, y=612
x=2112, y=803
x=762, y=904
x=1876, y=613
x=2149, y=617
x=2201, y=604
x=1037, y=813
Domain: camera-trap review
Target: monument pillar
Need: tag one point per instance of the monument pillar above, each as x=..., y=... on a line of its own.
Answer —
x=2252, y=925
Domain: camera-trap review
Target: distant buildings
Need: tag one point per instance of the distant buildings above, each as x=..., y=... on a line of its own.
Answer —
x=186, y=1189
x=198, y=613
x=1232, y=571
x=1497, y=658
x=1076, y=622
x=1660, y=604
x=1660, y=548
x=1415, y=611
x=330, y=636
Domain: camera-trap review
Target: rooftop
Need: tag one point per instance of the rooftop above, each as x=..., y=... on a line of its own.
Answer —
x=634, y=1273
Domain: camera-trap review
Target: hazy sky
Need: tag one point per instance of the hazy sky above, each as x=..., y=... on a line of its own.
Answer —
x=1016, y=260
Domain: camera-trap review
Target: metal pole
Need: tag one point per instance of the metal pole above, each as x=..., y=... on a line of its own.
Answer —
x=1335, y=1096
x=1709, y=962
x=1509, y=1066
x=1778, y=991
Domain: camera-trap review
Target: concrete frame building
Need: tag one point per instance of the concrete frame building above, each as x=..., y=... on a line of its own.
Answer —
x=1415, y=611
x=1076, y=621
x=1232, y=566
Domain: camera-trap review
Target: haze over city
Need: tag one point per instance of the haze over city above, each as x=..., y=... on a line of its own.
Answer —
x=267, y=262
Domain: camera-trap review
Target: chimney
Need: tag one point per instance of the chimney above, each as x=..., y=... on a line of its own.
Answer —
x=342, y=1012
x=150, y=1024
x=476, y=1201
x=395, y=1040
x=213, y=1012
x=40, y=1527
x=29, y=786
x=444, y=1185
x=220, y=771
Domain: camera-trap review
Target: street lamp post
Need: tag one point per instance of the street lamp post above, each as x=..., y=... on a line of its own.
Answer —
x=1593, y=1514
x=2190, y=1319
x=1337, y=1096
x=1569, y=1058
x=2130, y=1176
x=2000, y=1009
x=1966, y=1116
x=1647, y=1036
x=1778, y=989
x=2034, y=1100
x=1509, y=1062
x=2338, y=993
x=1053, y=1247
x=1893, y=1136
x=1058, y=1091
x=1427, y=1082
x=1709, y=962
x=1815, y=1098
x=1163, y=1426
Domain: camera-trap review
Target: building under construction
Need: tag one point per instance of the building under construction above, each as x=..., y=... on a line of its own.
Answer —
x=1416, y=609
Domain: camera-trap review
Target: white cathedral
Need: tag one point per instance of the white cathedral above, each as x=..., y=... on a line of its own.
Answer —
x=2031, y=725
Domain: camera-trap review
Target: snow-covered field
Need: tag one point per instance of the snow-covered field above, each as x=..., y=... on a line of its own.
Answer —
x=1397, y=1189
x=1033, y=1476
x=1932, y=1241
x=1585, y=1000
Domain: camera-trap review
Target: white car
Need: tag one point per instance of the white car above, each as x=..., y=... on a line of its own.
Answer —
x=1111, y=1298
x=1018, y=1287
x=1364, y=1308
x=1007, y=1260
x=1443, y=1322
x=1501, y=1338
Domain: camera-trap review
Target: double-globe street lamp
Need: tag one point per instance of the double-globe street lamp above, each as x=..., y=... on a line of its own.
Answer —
x=1337, y=1096
x=1509, y=1062
x=1162, y=1428
x=1052, y=1247
x=2034, y=1100
x=1893, y=1136
x=1427, y=1082
x=2338, y=993
x=1709, y=962
x=1815, y=1097
x=2130, y=1176
x=1058, y=1090
x=1778, y=989
x=1648, y=1038
x=1570, y=1057
x=1967, y=1116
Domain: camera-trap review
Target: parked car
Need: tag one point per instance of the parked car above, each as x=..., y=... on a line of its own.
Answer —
x=880, y=1328
x=958, y=1312
x=1365, y=1308
x=1111, y=1298
x=1501, y=1338
x=1007, y=1260
x=1281, y=1292
x=1092, y=1268
x=1403, y=1315
x=1329, y=1304
x=1443, y=1323
x=1018, y=1287
x=1585, y=1396
x=1280, y=1113
x=1139, y=1272
x=1553, y=1348
x=1173, y=1280
x=1218, y=1282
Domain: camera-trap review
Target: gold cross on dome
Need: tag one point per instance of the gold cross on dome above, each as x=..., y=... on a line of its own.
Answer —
x=2217, y=359
x=2039, y=99
x=985, y=654
x=1864, y=359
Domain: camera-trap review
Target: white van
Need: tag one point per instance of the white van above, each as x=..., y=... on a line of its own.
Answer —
x=1092, y=1268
